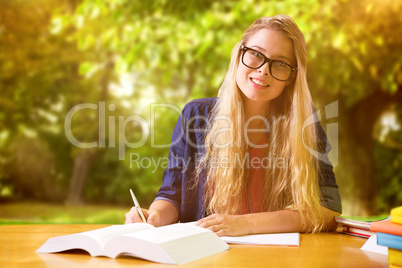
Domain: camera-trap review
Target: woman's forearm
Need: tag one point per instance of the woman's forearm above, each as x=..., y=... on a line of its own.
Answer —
x=283, y=221
x=167, y=212
x=287, y=221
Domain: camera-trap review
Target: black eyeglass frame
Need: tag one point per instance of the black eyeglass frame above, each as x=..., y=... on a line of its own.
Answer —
x=266, y=59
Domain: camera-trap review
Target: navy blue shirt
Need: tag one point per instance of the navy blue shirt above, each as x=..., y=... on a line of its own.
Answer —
x=187, y=148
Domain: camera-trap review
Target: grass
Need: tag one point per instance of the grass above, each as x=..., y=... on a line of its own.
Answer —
x=41, y=213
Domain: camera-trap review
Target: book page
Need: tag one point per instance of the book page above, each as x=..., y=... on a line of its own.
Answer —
x=174, y=244
x=363, y=222
x=105, y=234
x=285, y=239
x=91, y=241
x=167, y=233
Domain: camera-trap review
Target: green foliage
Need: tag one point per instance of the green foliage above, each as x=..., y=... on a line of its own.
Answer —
x=353, y=48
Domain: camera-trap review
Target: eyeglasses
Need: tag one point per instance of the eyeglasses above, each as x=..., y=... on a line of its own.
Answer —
x=279, y=70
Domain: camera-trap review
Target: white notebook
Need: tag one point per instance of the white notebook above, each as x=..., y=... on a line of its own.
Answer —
x=282, y=239
x=278, y=239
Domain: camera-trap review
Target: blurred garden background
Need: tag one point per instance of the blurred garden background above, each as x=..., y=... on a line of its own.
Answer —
x=74, y=73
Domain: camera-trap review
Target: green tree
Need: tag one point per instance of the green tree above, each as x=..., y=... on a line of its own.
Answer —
x=33, y=85
x=355, y=58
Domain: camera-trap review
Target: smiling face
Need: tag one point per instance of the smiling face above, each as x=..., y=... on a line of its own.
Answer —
x=258, y=84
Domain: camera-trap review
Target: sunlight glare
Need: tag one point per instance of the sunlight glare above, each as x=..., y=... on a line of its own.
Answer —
x=389, y=123
x=125, y=87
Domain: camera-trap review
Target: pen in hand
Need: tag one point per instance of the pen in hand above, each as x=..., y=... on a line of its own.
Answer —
x=137, y=206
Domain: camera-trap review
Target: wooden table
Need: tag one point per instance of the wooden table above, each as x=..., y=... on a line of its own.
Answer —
x=18, y=244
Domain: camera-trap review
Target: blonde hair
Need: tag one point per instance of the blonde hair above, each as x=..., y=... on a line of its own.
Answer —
x=294, y=187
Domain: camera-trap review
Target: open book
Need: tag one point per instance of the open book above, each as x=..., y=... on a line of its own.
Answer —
x=173, y=244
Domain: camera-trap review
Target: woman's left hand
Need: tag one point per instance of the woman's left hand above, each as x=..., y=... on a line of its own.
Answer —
x=226, y=225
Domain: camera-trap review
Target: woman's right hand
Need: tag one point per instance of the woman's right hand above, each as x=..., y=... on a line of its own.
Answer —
x=151, y=216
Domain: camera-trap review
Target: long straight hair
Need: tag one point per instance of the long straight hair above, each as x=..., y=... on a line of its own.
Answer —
x=293, y=186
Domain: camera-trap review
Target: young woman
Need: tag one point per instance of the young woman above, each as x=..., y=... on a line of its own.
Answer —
x=242, y=163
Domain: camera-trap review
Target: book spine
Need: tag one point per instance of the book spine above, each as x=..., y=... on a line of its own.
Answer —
x=387, y=227
x=390, y=241
x=396, y=215
x=396, y=219
x=395, y=256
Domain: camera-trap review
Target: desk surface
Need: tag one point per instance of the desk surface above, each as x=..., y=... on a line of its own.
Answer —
x=18, y=244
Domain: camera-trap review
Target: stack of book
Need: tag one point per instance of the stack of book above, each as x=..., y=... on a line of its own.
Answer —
x=358, y=226
x=389, y=234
